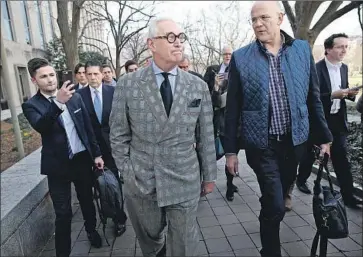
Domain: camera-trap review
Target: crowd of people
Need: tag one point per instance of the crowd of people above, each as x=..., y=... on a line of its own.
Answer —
x=156, y=127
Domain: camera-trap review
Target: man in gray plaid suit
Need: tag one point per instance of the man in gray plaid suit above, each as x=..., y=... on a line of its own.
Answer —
x=153, y=120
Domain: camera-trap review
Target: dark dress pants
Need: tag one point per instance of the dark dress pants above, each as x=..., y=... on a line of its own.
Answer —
x=275, y=168
x=81, y=174
x=111, y=165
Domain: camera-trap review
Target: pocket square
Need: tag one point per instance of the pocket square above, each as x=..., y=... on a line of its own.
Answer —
x=77, y=110
x=195, y=103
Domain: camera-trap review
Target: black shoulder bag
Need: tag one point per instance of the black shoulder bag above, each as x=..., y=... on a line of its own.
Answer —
x=329, y=212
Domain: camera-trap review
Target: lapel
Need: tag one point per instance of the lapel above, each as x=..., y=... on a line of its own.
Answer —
x=72, y=106
x=106, y=102
x=151, y=94
x=88, y=101
x=343, y=78
x=326, y=75
x=45, y=103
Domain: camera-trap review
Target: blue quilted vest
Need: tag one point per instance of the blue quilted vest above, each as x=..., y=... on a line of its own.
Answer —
x=252, y=64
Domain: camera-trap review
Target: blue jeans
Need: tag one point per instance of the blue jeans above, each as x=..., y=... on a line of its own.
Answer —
x=275, y=168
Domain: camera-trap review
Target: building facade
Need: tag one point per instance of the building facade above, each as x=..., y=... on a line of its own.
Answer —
x=26, y=28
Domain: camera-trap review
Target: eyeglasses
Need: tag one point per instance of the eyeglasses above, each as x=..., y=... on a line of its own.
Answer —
x=171, y=37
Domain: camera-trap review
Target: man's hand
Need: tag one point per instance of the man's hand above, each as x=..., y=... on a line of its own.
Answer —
x=340, y=94
x=99, y=162
x=207, y=188
x=65, y=92
x=232, y=164
x=325, y=148
x=352, y=92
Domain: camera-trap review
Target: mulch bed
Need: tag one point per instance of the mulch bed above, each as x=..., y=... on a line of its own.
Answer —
x=9, y=153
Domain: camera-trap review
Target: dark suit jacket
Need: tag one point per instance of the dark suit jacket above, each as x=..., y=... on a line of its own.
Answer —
x=338, y=122
x=196, y=74
x=209, y=76
x=76, y=87
x=102, y=131
x=43, y=117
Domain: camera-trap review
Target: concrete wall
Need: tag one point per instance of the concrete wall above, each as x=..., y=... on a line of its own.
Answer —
x=27, y=216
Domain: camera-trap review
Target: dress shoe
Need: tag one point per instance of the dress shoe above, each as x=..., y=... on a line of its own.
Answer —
x=353, y=202
x=230, y=194
x=119, y=229
x=95, y=239
x=303, y=187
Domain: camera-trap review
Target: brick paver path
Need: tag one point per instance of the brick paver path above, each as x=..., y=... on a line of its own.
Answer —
x=230, y=228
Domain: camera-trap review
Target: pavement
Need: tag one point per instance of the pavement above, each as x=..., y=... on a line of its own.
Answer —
x=230, y=228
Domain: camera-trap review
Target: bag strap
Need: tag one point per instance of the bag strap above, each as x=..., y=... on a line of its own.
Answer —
x=323, y=245
x=314, y=245
x=324, y=165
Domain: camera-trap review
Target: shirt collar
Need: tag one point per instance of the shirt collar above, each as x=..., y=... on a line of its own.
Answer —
x=99, y=89
x=157, y=70
x=283, y=41
x=49, y=96
x=331, y=65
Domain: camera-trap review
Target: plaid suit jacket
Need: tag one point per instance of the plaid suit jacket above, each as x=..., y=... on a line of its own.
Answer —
x=155, y=153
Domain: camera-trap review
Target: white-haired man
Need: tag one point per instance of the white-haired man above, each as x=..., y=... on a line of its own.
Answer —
x=153, y=121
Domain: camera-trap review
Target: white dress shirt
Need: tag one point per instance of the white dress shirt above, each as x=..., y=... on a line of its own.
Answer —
x=93, y=94
x=335, y=81
x=81, y=86
x=71, y=132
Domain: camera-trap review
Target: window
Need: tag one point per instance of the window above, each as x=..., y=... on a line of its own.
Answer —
x=7, y=21
x=3, y=101
x=40, y=24
x=23, y=83
x=50, y=23
x=24, y=11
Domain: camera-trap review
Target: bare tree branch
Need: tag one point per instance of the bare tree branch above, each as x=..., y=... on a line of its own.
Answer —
x=326, y=20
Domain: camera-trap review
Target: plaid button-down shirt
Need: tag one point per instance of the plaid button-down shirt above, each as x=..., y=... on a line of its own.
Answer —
x=280, y=117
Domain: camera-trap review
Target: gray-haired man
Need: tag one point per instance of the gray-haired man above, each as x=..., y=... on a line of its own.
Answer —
x=153, y=121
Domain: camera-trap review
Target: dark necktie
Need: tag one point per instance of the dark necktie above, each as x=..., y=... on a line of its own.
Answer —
x=60, y=119
x=166, y=93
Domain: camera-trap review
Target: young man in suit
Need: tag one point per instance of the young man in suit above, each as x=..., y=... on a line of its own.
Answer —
x=131, y=66
x=98, y=101
x=69, y=150
x=154, y=115
x=334, y=89
x=80, y=74
x=108, y=78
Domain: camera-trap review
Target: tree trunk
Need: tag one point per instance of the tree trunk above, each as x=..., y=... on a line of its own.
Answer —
x=118, y=64
x=69, y=36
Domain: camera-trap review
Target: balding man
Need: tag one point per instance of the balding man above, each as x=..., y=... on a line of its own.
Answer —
x=185, y=64
x=273, y=94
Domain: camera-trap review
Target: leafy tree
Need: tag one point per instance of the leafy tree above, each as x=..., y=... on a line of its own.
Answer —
x=56, y=55
x=92, y=55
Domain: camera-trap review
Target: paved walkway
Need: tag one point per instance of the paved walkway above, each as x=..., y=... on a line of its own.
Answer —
x=231, y=229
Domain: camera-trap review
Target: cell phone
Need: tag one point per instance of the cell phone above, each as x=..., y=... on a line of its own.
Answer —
x=356, y=88
x=67, y=75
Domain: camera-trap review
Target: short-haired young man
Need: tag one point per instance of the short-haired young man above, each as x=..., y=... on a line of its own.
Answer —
x=69, y=150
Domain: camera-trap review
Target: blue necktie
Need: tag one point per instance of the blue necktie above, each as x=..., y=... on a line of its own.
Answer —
x=97, y=105
x=60, y=118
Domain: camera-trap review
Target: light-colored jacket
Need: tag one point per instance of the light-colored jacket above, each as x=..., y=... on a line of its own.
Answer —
x=154, y=153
